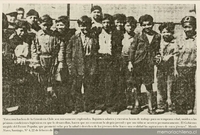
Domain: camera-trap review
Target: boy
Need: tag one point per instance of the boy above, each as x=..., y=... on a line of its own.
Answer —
x=167, y=67
x=105, y=68
x=116, y=48
x=12, y=16
x=63, y=35
x=82, y=63
x=126, y=76
x=21, y=53
x=32, y=17
x=45, y=50
x=20, y=13
x=185, y=90
x=142, y=55
x=96, y=13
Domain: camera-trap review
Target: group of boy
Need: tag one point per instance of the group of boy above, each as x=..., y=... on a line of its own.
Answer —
x=104, y=63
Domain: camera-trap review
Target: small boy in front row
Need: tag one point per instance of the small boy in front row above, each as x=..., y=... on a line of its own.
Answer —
x=167, y=67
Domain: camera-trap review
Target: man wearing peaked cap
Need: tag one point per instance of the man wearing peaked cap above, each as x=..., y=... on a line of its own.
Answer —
x=32, y=18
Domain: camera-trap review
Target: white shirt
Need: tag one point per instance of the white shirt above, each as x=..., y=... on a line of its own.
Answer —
x=126, y=42
x=105, y=42
x=150, y=38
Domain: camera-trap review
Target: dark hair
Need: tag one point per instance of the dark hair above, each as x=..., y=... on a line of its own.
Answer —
x=96, y=7
x=20, y=9
x=131, y=19
x=168, y=25
x=64, y=19
x=144, y=18
x=107, y=17
x=84, y=20
x=32, y=12
x=189, y=19
x=46, y=18
x=22, y=24
x=120, y=17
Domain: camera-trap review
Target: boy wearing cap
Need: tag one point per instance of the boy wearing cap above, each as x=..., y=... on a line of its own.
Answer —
x=105, y=67
x=185, y=90
x=45, y=50
x=96, y=13
x=20, y=13
x=63, y=34
x=142, y=55
x=82, y=63
x=12, y=16
x=167, y=67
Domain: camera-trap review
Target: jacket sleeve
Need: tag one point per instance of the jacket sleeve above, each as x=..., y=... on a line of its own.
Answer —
x=132, y=49
x=61, y=51
x=157, y=47
x=94, y=56
x=69, y=54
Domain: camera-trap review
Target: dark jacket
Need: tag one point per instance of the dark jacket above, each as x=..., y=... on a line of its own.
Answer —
x=75, y=54
x=142, y=53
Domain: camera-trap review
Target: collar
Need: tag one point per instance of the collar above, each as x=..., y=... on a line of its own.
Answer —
x=193, y=37
x=129, y=36
x=41, y=32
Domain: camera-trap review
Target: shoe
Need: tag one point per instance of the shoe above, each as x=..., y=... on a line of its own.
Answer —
x=152, y=112
x=92, y=111
x=136, y=110
x=109, y=110
x=159, y=111
x=76, y=112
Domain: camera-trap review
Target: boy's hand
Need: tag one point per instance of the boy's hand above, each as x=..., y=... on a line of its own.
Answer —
x=158, y=59
x=176, y=73
x=130, y=66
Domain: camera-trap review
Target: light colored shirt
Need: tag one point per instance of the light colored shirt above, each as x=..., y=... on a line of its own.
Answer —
x=126, y=42
x=105, y=42
x=187, y=52
x=168, y=48
x=150, y=38
x=86, y=46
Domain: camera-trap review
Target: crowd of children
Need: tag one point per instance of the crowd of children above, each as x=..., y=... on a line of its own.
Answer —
x=99, y=66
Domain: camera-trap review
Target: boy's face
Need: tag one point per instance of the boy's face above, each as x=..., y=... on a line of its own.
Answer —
x=147, y=26
x=188, y=29
x=11, y=19
x=106, y=24
x=60, y=26
x=96, y=14
x=32, y=19
x=20, y=14
x=167, y=36
x=119, y=24
x=20, y=32
x=45, y=26
x=84, y=28
x=130, y=27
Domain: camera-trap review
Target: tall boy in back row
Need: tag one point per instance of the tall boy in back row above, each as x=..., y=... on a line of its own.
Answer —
x=142, y=59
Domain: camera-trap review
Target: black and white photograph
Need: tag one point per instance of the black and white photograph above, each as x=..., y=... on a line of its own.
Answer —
x=99, y=59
